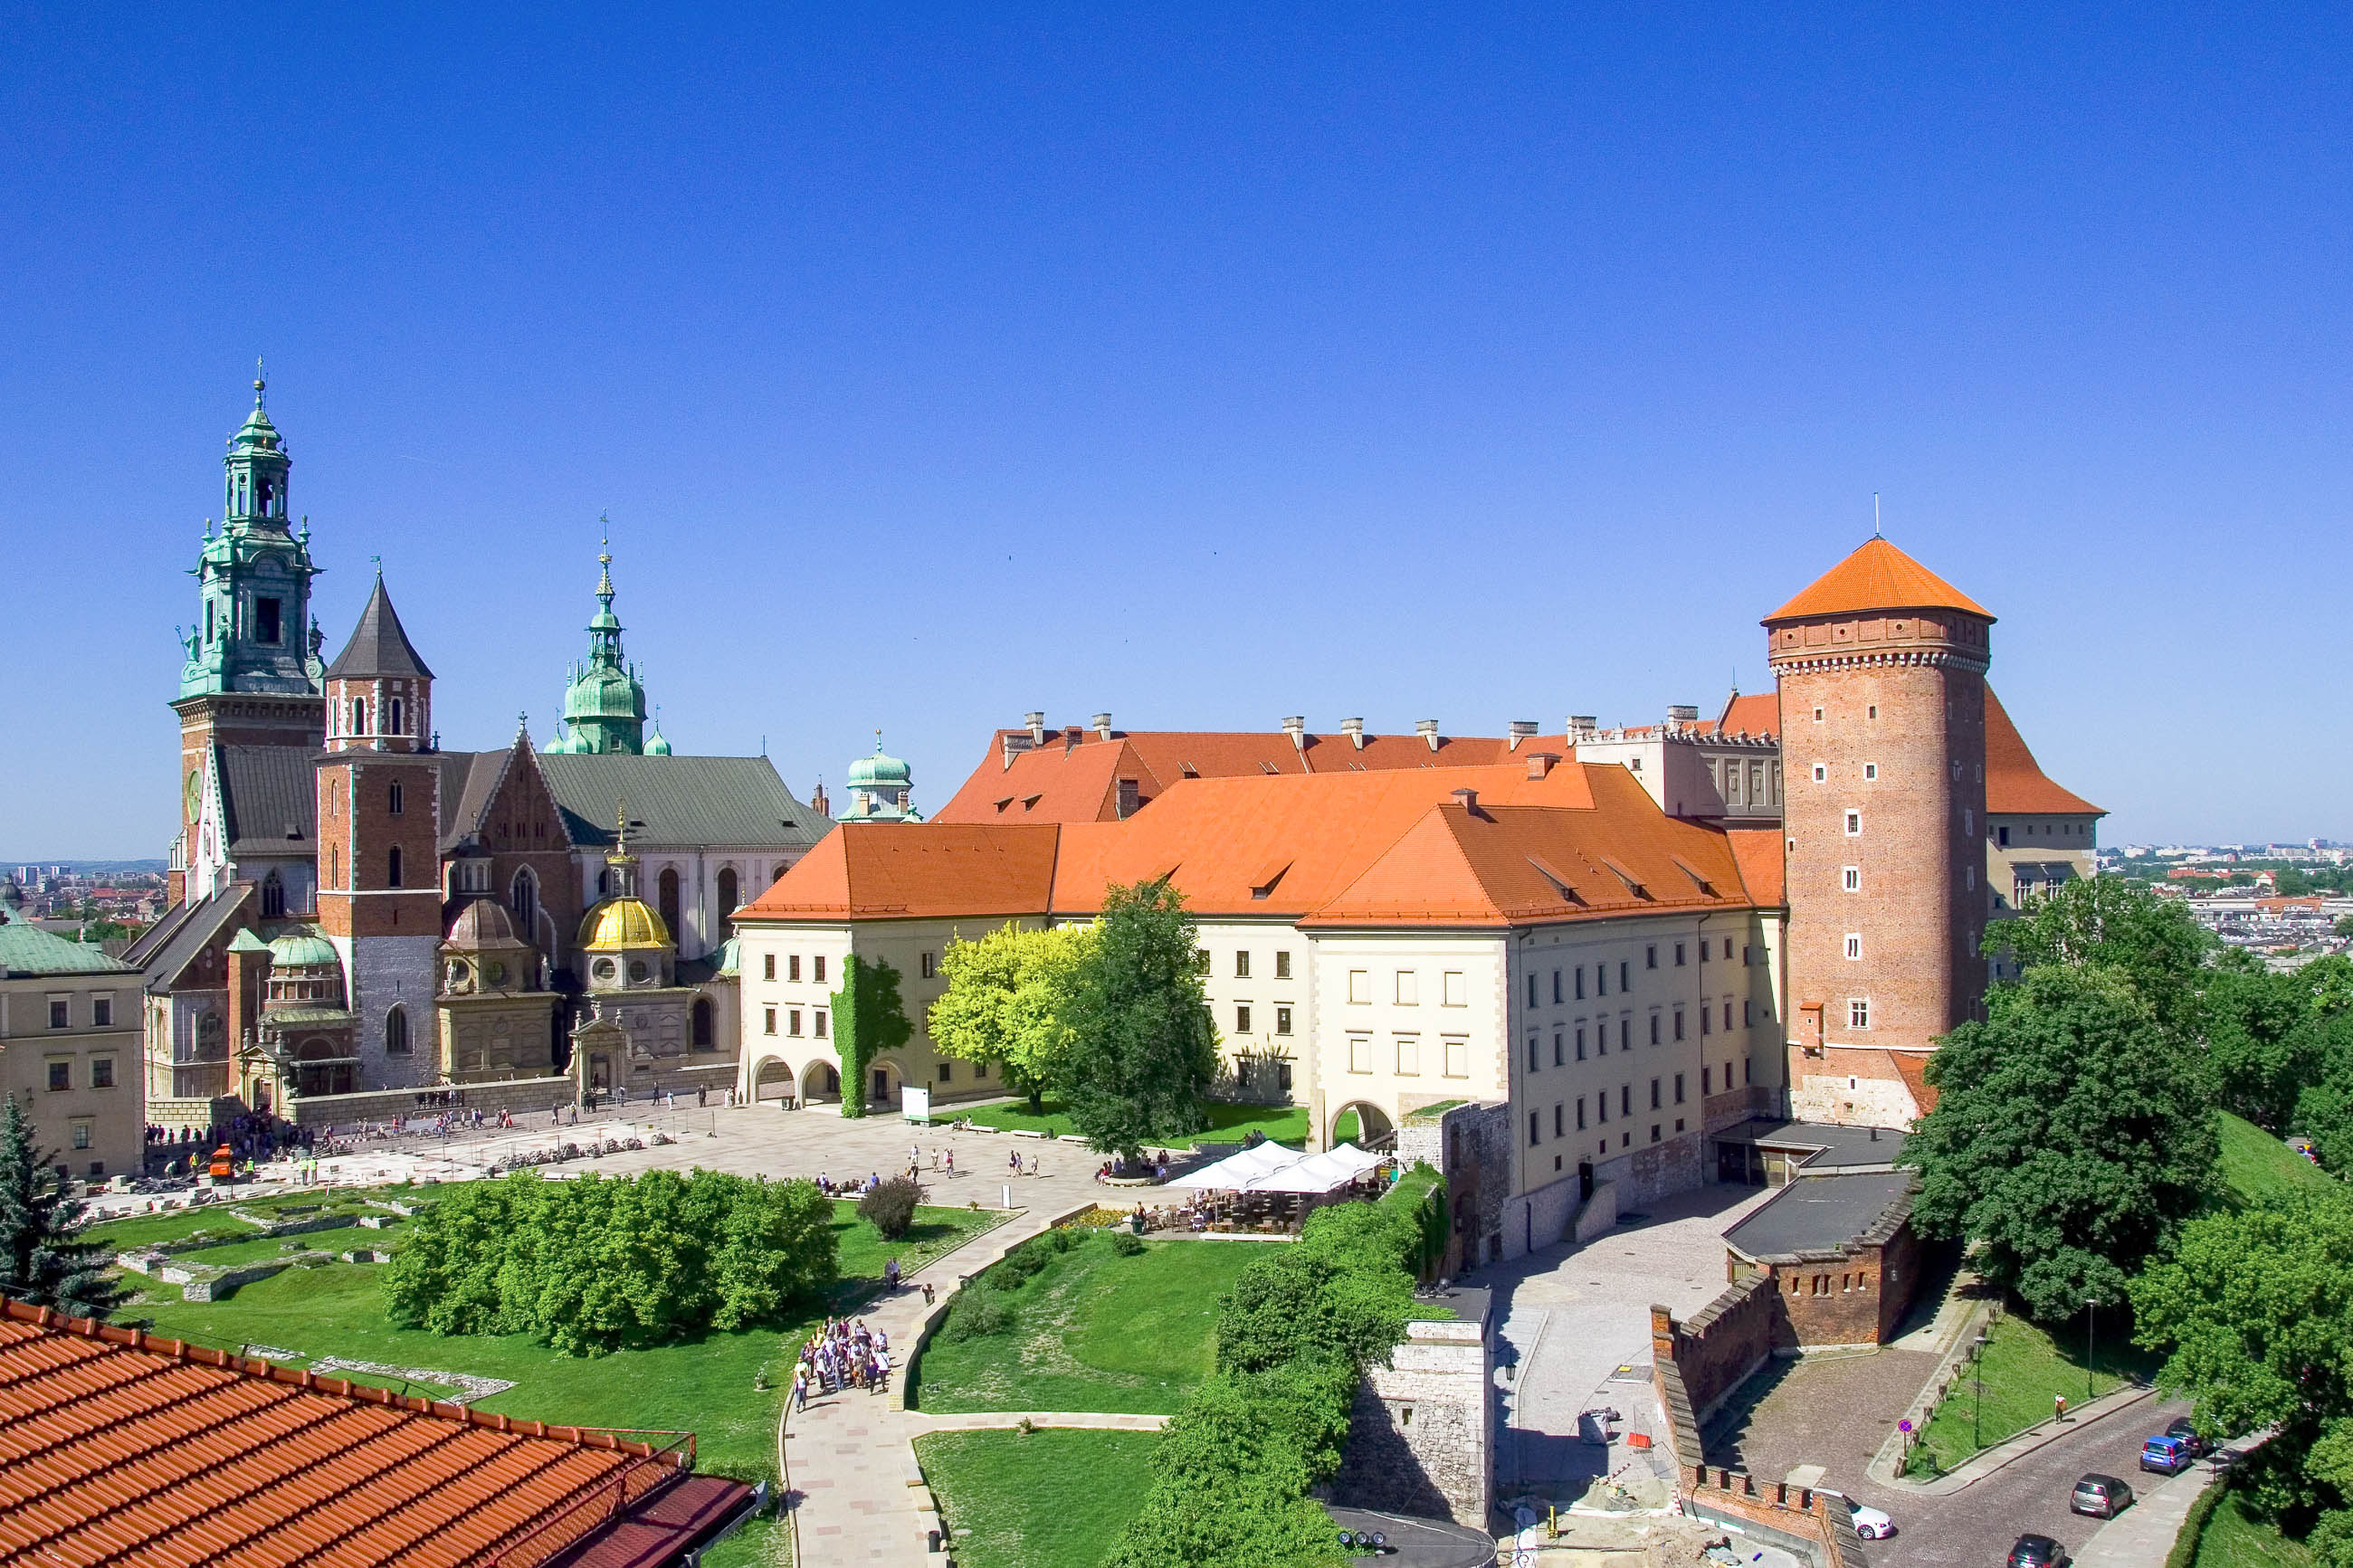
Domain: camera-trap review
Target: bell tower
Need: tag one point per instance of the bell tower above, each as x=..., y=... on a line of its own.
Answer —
x=604, y=701
x=251, y=675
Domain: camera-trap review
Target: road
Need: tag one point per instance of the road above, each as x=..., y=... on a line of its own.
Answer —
x=1973, y=1528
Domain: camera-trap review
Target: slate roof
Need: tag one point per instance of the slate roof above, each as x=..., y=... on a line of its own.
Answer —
x=678, y=801
x=270, y=794
x=378, y=645
x=202, y=921
x=120, y=1447
x=25, y=950
x=1835, y=1147
x=1822, y=1217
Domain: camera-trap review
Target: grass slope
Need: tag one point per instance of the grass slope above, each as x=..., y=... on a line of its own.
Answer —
x=1051, y=1498
x=1228, y=1124
x=2255, y=1165
x=2023, y=1366
x=2233, y=1540
x=1096, y=1332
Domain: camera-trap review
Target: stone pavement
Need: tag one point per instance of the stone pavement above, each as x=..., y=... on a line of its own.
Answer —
x=2143, y=1535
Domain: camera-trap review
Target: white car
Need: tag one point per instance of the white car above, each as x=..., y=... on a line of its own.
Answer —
x=1870, y=1522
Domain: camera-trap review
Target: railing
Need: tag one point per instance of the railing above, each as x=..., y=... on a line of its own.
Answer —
x=602, y=1503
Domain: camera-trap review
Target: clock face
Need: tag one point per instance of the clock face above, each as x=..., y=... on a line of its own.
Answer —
x=195, y=790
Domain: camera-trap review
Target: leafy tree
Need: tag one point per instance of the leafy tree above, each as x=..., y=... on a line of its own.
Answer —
x=2070, y=1132
x=890, y=1206
x=43, y=1262
x=869, y=1019
x=2256, y=1306
x=1230, y=1478
x=2345, y=925
x=1006, y=998
x=2264, y=1036
x=2154, y=940
x=1143, y=1048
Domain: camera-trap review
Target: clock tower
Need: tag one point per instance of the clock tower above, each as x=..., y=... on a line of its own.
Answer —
x=252, y=678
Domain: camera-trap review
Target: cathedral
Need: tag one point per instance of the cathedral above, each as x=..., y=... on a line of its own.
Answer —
x=360, y=917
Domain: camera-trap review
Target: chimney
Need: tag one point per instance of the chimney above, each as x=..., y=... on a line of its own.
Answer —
x=1467, y=799
x=1102, y=726
x=1428, y=730
x=1540, y=763
x=1582, y=727
x=1681, y=719
x=1295, y=726
x=1071, y=739
x=1036, y=722
x=1355, y=729
x=1521, y=729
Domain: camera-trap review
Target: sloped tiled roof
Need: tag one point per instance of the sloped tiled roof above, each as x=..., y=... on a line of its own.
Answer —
x=1753, y=714
x=271, y=796
x=1877, y=576
x=2015, y=782
x=379, y=645
x=681, y=802
x=26, y=950
x=117, y=1447
x=1763, y=864
x=888, y=870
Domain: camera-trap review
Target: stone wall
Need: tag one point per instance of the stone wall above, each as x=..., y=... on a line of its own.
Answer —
x=1718, y=1348
x=1471, y=1146
x=1421, y=1439
x=521, y=1096
x=1818, y=1526
x=1854, y=1299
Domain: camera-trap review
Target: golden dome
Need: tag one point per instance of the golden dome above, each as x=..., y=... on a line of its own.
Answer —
x=623, y=922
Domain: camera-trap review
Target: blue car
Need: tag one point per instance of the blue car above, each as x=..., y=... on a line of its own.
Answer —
x=2167, y=1455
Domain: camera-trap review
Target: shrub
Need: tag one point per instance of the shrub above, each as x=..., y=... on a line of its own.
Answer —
x=977, y=1313
x=1127, y=1243
x=1063, y=1238
x=891, y=1208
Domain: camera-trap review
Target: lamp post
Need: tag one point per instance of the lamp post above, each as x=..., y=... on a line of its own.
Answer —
x=1976, y=1416
x=2091, y=1344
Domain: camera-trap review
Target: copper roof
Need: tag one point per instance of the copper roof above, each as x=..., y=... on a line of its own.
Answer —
x=120, y=1448
x=1878, y=577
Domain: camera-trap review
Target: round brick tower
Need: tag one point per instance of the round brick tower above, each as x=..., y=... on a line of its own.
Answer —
x=1882, y=669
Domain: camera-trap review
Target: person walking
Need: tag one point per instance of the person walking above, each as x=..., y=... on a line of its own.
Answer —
x=890, y=1276
x=800, y=1389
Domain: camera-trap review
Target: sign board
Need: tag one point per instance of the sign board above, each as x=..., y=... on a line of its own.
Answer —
x=916, y=1104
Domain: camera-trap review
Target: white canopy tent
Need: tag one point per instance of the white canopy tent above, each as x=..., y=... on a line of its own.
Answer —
x=1325, y=1172
x=1235, y=1172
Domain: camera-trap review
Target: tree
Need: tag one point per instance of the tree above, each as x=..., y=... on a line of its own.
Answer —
x=2072, y=1130
x=1005, y=1001
x=2153, y=940
x=2265, y=1038
x=2345, y=925
x=43, y=1262
x=2256, y=1306
x=869, y=1019
x=1143, y=1048
x=890, y=1206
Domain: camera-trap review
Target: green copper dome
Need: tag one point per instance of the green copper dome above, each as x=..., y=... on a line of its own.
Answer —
x=604, y=704
x=302, y=951
x=879, y=771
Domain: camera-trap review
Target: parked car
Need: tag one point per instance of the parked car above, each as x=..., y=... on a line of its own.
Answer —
x=2038, y=1552
x=2102, y=1497
x=1871, y=1523
x=2188, y=1433
x=2167, y=1455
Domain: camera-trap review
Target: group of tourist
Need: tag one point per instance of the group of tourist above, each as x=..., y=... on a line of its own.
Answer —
x=1153, y=1167
x=841, y=1354
x=849, y=1189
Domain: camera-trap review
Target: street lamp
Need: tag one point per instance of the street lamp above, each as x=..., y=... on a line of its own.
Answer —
x=1976, y=1416
x=2091, y=1344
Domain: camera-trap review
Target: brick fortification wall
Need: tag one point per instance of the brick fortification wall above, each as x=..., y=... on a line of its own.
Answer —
x=1421, y=1439
x=1722, y=1343
x=1821, y=1523
x=1857, y=1299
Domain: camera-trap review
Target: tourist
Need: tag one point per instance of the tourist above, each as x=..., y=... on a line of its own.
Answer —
x=891, y=1277
x=881, y=1370
x=951, y=1162
x=800, y=1389
x=927, y=1292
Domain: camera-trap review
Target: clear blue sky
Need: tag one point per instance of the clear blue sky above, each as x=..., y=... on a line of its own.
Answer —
x=1198, y=365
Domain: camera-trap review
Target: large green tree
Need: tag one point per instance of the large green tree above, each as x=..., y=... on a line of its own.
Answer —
x=2072, y=1130
x=869, y=1019
x=1006, y=1002
x=1143, y=1048
x=2265, y=1036
x=2153, y=940
x=44, y=1261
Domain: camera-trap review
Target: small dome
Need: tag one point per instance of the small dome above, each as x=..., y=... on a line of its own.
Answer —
x=656, y=745
x=302, y=951
x=619, y=923
x=479, y=922
x=878, y=772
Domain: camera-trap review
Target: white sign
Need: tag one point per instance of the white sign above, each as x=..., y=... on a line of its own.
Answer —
x=916, y=1104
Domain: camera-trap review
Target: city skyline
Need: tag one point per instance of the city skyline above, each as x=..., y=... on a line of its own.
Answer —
x=935, y=371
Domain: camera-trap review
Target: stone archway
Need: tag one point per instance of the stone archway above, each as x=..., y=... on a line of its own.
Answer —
x=772, y=1078
x=883, y=1080
x=1363, y=1123
x=820, y=1083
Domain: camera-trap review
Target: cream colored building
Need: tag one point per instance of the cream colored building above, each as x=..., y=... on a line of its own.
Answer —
x=70, y=1050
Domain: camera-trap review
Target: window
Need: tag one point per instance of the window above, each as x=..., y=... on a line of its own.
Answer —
x=1201, y=960
x=392, y=867
x=1556, y=987
x=1872, y=712
x=1559, y=1055
x=1821, y=773
x=1858, y=1014
x=1458, y=1057
x=2001, y=836
x=61, y=1075
x=1580, y=1042
x=1654, y=1094
x=60, y=1012
x=391, y=799
x=1624, y=1099
x=947, y=1073
x=792, y=967
x=1558, y=1122
x=1241, y=1019
x=1625, y=975
x=82, y=1134
x=1532, y=990
x=1855, y=944
x=1580, y=1113
x=395, y=727
x=1654, y=1132
x=266, y=628
x=768, y=971
x=1601, y=980
x=1654, y=1028
x=1706, y=1024
x=1283, y=965
x=793, y=1020
x=1533, y=1062
x=816, y=974
x=818, y=1023
x=1870, y=770
x=1408, y=988
x=1818, y=715
x=396, y=1032
x=1241, y=966
x=1748, y=1074
x=1534, y=1135
x=101, y=1072
x=1728, y=950
x=1457, y=994
x=1580, y=982
x=1282, y=1020
x=727, y=899
x=101, y=1011
x=1679, y=1022
x=927, y=965
x=1625, y=1034
x=771, y=1020
x=359, y=715
x=1408, y=1055
x=1651, y=956
x=1679, y=1089
x=1851, y=879
x=1600, y=1107
x=1706, y=1080
x=1747, y=1014
x=1360, y=986
x=1360, y=1053
x=1854, y=824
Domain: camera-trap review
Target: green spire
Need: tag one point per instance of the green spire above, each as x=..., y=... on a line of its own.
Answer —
x=605, y=704
x=254, y=577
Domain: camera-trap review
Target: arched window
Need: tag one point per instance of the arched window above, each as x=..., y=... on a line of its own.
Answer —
x=334, y=866
x=273, y=897
x=667, y=899
x=522, y=899
x=394, y=728
x=392, y=867
x=727, y=896
x=396, y=1032
x=703, y=1041
x=359, y=716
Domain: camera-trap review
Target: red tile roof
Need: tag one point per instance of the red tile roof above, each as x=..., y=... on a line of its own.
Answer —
x=1913, y=1070
x=886, y=870
x=1763, y=865
x=2015, y=783
x=1878, y=577
x=120, y=1448
x=1756, y=713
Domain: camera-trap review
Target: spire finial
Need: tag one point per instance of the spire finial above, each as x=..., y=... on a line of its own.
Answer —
x=260, y=382
x=1875, y=533
x=378, y=562
x=878, y=743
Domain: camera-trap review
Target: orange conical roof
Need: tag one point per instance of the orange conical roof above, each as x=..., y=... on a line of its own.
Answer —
x=1877, y=577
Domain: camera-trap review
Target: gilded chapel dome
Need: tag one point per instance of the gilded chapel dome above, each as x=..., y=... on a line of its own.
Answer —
x=620, y=923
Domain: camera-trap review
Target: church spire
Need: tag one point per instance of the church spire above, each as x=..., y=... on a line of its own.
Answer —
x=254, y=576
x=604, y=704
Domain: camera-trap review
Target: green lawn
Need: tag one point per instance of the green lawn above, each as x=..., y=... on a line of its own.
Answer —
x=2233, y=1540
x=706, y=1386
x=761, y=1543
x=1050, y=1498
x=1228, y=1124
x=262, y=1248
x=1096, y=1331
x=2023, y=1366
x=2255, y=1165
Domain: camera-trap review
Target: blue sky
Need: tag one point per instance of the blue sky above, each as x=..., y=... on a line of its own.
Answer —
x=1200, y=365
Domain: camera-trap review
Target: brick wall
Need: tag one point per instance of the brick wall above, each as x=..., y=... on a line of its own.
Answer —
x=1421, y=1435
x=1718, y=1346
x=1821, y=1524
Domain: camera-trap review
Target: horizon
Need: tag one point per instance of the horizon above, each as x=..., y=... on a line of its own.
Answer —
x=937, y=368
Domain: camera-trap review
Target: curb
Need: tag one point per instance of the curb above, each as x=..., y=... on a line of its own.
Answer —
x=2003, y=1454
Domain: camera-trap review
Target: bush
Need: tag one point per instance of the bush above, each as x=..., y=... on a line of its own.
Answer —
x=1063, y=1238
x=1126, y=1243
x=891, y=1208
x=977, y=1313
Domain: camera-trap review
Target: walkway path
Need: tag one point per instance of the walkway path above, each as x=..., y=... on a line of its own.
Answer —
x=918, y=1423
